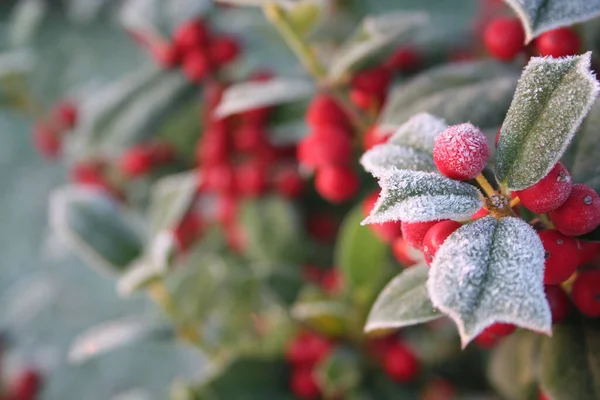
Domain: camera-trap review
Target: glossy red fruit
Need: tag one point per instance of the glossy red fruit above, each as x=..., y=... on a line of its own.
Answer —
x=65, y=114
x=337, y=184
x=486, y=340
x=560, y=305
x=481, y=213
x=461, y=152
x=289, y=183
x=373, y=137
x=404, y=59
x=504, y=38
x=562, y=256
x=324, y=110
x=251, y=179
x=25, y=386
x=46, y=140
x=500, y=329
x=188, y=230
x=166, y=55
x=331, y=281
x=213, y=147
x=400, y=364
x=374, y=80
x=136, y=162
x=326, y=146
x=580, y=214
x=414, y=232
x=196, y=65
x=387, y=231
x=223, y=49
x=248, y=138
x=307, y=349
x=404, y=253
x=549, y=193
x=191, y=35
x=436, y=236
x=587, y=251
x=322, y=226
x=219, y=178
x=303, y=384
x=559, y=42
x=226, y=208
x=586, y=293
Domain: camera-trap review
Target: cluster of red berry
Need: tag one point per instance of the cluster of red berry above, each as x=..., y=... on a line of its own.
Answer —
x=504, y=39
x=25, y=385
x=195, y=48
x=397, y=359
x=47, y=134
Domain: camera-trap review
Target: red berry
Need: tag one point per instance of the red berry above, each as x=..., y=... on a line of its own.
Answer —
x=187, y=231
x=414, y=232
x=500, y=329
x=400, y=364
x=251, y=179
x=336, y=184
x=404, y=59
x=307, y=349
x=166, y=55
x=46, y=140
x=219, y=178
x=226, y=208
x=311, y=273
x=542, y=396
x=378, y=347
x=234, y=235
x=223, y=49
x=161, y=152
x=26, y=385
x=549, y=193
x=248, y=138
x=562, y=256
x=559, y=42
x=404, y=253
x=486, y=341
x=461, y=152
x=191, y=35
x=373, y=81
x=560, y=305
x=322, y=226
x=196, y=66
x=303, y=384
x=289, y=183
x=136, y=162
x=323, y=110
x=386, y=231
x=504, y=38
x=587, y=251
x=580, y=214
x=373, y=137
x=213, y=148
x=586, y=293
x=328, y=145
x=65, y=114
x=436, y=236
x=481, y=213
x=331, y=281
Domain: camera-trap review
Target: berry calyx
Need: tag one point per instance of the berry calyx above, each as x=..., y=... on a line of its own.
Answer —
x=586, y=293
x=414, y=232
x=401, y=364
x=436, y=236
x=579, y=214
x=504, y=38
x=559, y=42
x=461, y=152
x=560, y=305
x=303, y=384
x=386, y=231
x=562, y=256
x=549, y=193
x=336, y=183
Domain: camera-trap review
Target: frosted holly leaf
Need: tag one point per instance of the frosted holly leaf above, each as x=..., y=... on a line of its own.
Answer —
x=403, y=302
x=419, y=132
x=552, y=98
x=539, y=16
x=416, y=196
x=491, y=271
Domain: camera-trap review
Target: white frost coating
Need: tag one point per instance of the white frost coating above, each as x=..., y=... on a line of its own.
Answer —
x=416, y=196
x=386, y=156
x=491, y=271
x=403, y=302
x=419, y=132
x=539, y=16
x=551, y=100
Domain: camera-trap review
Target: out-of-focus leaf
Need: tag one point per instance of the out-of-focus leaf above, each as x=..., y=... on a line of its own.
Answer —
x=25, y=22
x=327, y=317
x=339, y=373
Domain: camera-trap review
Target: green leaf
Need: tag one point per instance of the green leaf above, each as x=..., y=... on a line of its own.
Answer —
x=328, y=317
x=403, y=302
x=552, y=98
x=360, y=256
x=479, y=92
x=410, y=147
x=514, y=365
x=415, y=196
x=491, y=271
x=339, y=373
x=272, y=229
x=570, y=361
x=250, y=95
x=583, y=154
x=138, y=275
x=539, y=16
x=96, y=227
x=374, y=35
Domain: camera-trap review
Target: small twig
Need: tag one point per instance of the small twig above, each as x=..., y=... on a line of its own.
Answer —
x=485, y=185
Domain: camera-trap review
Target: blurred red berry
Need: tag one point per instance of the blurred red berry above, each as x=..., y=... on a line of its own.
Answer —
x=439, y=389
x=196, y=65
x=136, y=162
x=25, y=386
x=65, y=114
x=188, y=230
x=219, y=178
x=251, y=179
x=303, y=384
x=324, y=110
x=322, y=226
x=328, y=145
x=226, y=208
x=46, y=140
x=337, y=184
x=586, y=293
x=404, y=59
x=504, y=38
x=223, y=49
x=400, y=364
x=289, y=183
x=166, y=55
x=559, y=42
x=404, y=253
x=307, y=349
x=387, y=231
x=587, y=251
x=373, y=137
x=248, y=138
x=331, y=281
x=414, y=232
x=191, y=35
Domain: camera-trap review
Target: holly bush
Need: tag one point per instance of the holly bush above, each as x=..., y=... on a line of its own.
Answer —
x=329, y=199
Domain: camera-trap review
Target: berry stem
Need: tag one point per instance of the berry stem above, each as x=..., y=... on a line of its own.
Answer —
x=485, y=185
x=546, y=221
x=514, y=202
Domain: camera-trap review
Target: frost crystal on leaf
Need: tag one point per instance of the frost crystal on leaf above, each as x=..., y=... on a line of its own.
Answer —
x=491, y=271
x=539, y=16
x=552, y=98
x=419, y=132
x=416, y=196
